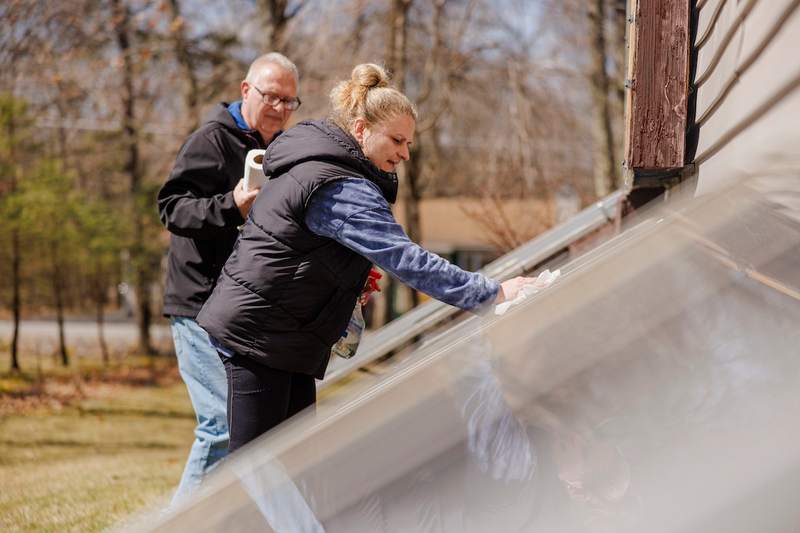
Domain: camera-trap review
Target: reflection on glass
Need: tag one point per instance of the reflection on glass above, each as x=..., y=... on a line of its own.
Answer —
x=497, y=441
x=275, y=495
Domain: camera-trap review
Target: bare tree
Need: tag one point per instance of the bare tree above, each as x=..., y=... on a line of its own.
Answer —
x=396, y=62
x=396, y=45
x=57, y=270
x=133, y=169
x=14, y=46
x=618, y=51
x=605, y=168
x=177, y=30
x=276, y=15
x=10, y=123
x=501, y=221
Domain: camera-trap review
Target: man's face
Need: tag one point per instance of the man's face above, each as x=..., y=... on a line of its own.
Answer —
x=386, y=143
x=272, y=80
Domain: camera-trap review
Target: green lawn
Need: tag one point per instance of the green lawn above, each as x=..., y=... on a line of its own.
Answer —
x=89, y=459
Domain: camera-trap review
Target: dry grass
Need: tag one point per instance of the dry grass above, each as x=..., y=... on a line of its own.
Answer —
x=80, y=452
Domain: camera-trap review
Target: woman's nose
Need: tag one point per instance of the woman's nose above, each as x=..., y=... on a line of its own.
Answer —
x=404, y=154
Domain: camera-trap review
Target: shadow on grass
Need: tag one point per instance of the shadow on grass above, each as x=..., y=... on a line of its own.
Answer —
x=64, y=387
x=101, y=447
x=136, y=371
x=127, y=411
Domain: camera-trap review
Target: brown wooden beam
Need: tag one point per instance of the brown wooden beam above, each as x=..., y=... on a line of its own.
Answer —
x=657, y=85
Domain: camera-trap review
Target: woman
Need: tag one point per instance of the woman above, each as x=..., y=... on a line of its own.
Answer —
x=321, y=220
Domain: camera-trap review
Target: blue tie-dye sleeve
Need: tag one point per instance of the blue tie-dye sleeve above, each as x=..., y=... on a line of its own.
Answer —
x=353, y=212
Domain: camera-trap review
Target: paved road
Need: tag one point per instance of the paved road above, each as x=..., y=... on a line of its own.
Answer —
x=41, y=336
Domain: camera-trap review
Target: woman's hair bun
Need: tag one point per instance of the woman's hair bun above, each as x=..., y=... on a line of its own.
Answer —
x=368, y=95
x=369, y=76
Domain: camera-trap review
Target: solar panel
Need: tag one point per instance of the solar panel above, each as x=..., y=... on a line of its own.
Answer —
x=654, y=387
x=424, y=318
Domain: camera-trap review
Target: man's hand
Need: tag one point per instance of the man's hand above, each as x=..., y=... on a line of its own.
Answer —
x=244, y=199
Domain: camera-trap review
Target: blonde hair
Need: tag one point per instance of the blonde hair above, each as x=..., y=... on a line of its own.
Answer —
x=367, y=95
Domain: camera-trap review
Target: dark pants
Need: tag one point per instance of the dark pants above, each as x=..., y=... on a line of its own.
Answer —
x=260, y=398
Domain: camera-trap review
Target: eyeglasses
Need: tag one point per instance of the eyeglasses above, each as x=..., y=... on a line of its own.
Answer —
x=273, y=100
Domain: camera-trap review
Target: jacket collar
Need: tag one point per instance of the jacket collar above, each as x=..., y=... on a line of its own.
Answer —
x=221, y=115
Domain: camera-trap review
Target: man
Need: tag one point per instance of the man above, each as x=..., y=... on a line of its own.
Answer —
x=202, y=204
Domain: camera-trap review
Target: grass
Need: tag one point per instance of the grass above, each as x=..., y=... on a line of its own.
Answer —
x=82, y=451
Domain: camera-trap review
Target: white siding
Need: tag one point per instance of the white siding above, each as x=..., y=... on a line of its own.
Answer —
x=755, y=127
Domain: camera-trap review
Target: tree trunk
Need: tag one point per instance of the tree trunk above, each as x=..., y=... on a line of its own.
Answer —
x=397, y=59
x=16, y=300
x=603, y=138
x=359, y=24
x=275, y=19
x=101, y=335
x=58, y=295
x=186, y=62
x=411, y=199
x=145, y=314
x=619, y=53
x=132, y=168
x=16, y=252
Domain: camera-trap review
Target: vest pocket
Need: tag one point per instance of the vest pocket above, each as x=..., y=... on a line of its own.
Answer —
x=331, y=321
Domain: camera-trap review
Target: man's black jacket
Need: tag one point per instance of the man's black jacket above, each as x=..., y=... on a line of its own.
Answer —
x=196, y=205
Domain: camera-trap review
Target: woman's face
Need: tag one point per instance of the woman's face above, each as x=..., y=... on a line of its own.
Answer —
x=386, y=143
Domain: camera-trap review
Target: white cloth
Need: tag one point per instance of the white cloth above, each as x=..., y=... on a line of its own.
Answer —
x=542, y=281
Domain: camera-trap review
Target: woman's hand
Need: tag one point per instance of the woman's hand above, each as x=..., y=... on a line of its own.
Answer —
x=370, y=286
x=511, y=288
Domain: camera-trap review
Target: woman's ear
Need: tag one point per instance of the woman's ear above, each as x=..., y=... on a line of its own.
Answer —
x=359, y=129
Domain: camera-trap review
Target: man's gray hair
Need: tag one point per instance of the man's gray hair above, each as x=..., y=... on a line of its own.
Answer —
x=272, y=58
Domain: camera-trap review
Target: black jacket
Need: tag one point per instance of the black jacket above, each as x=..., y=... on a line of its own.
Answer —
x=196, y=205
x=286, y=294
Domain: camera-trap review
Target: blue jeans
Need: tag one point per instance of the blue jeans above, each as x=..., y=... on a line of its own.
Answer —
x=204, y=375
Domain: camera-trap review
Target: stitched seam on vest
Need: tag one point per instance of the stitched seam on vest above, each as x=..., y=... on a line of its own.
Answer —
x=332, y=180
x=251, y=217
x=243, y=284
x=252, y=290
x=334, y=275
x=265, y=230
x=301, y=255
x=251, y=343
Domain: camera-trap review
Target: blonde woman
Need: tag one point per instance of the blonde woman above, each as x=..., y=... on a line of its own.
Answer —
x=320, y=223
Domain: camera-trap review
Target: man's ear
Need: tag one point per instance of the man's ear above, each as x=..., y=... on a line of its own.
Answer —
x=359, y=129
x=244, y=87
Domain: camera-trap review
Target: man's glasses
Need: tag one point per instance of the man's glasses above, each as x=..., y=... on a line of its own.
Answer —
x=273, y=100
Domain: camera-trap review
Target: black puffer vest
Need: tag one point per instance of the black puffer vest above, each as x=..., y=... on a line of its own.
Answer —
x=285, y=294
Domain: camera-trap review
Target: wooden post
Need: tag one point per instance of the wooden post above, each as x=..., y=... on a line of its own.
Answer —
x=655, y=136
